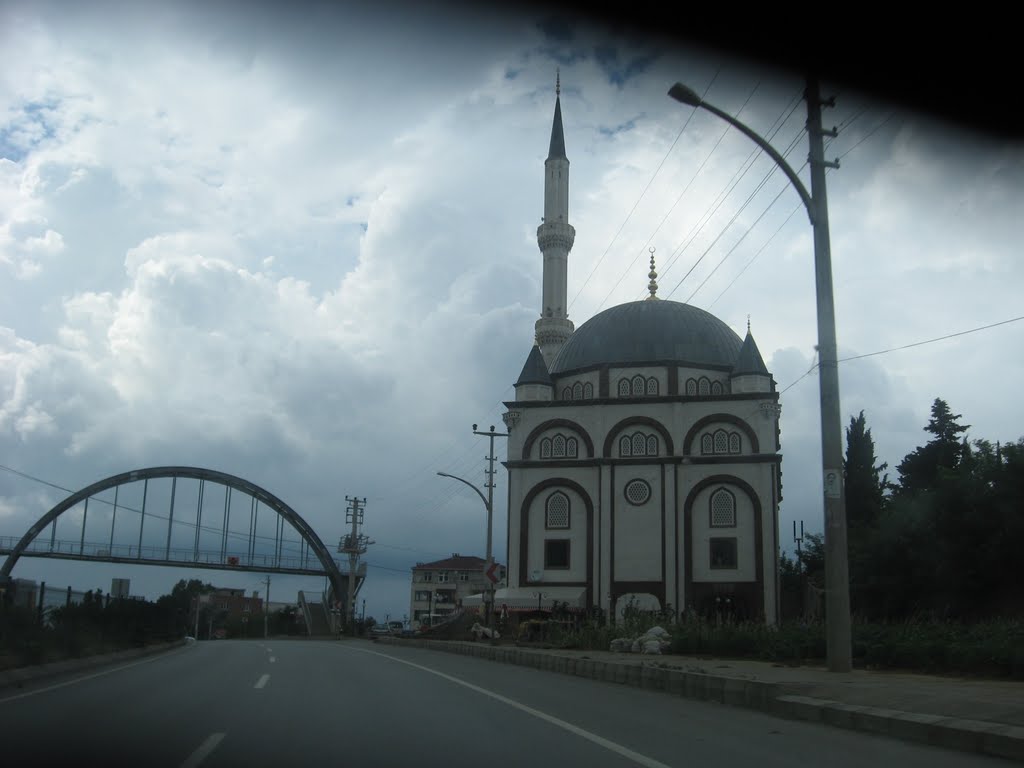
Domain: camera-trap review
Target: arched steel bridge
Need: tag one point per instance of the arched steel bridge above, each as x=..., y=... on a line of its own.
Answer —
x=312, y=558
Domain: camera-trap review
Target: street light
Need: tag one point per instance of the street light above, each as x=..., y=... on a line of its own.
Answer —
x=488, y=506
x=837, y=580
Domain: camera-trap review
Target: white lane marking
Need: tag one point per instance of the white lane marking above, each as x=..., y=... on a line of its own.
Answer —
x=273, y=659
x=270, y=650
x=618, y=749
x=262, y=681
x=66, y=683
x=203, y=751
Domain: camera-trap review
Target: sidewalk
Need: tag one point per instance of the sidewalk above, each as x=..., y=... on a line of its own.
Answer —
x=981, y=716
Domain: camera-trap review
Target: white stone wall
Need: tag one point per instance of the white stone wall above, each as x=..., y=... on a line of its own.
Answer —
x=638, y=544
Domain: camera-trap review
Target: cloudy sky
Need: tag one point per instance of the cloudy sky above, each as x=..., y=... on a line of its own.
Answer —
x=299, y=247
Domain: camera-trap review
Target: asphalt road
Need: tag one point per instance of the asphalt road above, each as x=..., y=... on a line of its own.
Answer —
x=354, y=703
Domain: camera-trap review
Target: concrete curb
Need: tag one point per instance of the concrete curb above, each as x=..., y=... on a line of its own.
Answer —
x=20, y=676
x=997, y=740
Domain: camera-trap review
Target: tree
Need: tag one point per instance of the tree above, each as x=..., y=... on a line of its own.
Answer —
x=865, y=483
x=920, y=469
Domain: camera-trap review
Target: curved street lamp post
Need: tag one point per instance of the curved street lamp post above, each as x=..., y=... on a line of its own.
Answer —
x=837, y=581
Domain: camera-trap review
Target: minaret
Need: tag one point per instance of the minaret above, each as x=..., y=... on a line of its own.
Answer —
x=555, y=237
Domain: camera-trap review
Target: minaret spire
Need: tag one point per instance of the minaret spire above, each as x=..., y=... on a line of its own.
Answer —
x=555, y=237
x=653, y=285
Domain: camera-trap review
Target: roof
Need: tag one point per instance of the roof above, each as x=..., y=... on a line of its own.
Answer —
x=456, y=562
x=557, y=147
x=535, y=371
x=749, y=360
x=649, y=333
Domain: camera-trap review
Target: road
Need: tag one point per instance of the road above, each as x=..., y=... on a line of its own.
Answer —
x=355, y=703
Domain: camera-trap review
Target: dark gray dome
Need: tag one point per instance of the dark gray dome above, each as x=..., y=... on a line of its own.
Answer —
x=650, y=332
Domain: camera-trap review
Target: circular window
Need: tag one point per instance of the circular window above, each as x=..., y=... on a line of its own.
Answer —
x=637, y=492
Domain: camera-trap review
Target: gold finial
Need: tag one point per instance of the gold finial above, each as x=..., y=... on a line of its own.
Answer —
x=558, y=81
x=748, y=323
x=653, y=285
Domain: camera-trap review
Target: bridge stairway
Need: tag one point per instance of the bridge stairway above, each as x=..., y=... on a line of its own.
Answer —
x=318, y=626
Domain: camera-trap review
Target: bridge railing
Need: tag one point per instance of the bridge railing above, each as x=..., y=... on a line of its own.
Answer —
x=42, y=545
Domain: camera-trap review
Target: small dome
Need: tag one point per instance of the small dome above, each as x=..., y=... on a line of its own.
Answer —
x=647, y=333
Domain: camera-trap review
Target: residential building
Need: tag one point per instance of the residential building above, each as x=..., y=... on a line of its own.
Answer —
x=439, y=587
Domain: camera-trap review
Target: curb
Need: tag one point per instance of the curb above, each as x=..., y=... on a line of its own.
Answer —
x=20, y=676
x=994, y=739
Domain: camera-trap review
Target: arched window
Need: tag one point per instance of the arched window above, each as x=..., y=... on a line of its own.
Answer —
x=545, y=448
x=556, y=510
x=703, y=386
x=588, y=391
x=652, y=386
x=567, y=394
x=716, y=388
x=558, y=447
x=721, y=441
x=623, y=387
x=572, y=449
x=577, y=391
x=707, y=444
x=691, y=387
x=652, y=445
x=734, y=442
x=639, y=385
x=723, y=509
x=625, y=446
x=639, y=445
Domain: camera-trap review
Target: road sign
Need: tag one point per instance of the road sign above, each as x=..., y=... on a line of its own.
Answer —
x=492, y=573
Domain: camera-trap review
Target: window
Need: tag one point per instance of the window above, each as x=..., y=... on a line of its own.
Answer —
x=716, y=388
x=723, y=509
x=639, y=386
x=723, y=554
x=422, y=595
x=572, y=449
x=703, y=386
x=652, y=386
x=652, y=445
x=639, y=444
x=558, y=447
x=637, y=492
x=588, y=391
x=566, y=393
x=721, y=441
x=625, y=446
x=734, y=442
x=462, y=576
x=426, y=576
x=577, y=391
x=623, y=387
x=545, y=448
x=556, y=553
x=442, y=577
x=556, y=511
x=707, y=444
x=691, y=387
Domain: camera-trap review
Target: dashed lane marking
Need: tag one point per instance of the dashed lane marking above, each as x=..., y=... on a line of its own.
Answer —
x=262, y=681
x=203, y=751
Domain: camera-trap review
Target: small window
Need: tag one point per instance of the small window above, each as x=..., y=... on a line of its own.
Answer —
x=623, y=387
x=577, y=391
x=723, y=554
x=734, y=442
x=463, y=576
x=566, y=393
x=721, y=441
x=691, y=387
x=558, y=447
x=637, y=492
x=704, y=386
x=422, y=595
x=625, y=446
x=588, y=391
x=427, y=576
x=545, y=448
x=556, y=511
x=652, y=445
x=723, y=509
x=639, y=386
x=707, y=444
x=556, y=553
x=652, y=386
x=716, y=388
x=639, y=445
x=442, y=577
x=572, y=449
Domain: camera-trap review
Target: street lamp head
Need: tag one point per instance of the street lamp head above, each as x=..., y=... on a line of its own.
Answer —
x=474, y=427
x=681, y=93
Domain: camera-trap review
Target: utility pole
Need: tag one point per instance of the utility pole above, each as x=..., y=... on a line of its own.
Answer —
x=489, y=472
x=266, y=607
x=354, y=544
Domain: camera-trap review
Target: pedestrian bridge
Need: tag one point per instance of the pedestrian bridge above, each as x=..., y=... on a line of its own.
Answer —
x=180, y=516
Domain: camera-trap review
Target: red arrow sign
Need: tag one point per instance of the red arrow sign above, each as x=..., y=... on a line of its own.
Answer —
x=491, y=573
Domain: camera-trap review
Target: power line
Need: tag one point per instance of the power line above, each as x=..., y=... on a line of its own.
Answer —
x=932, y=341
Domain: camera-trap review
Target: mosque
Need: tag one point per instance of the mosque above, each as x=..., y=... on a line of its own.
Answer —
x=644, y=463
